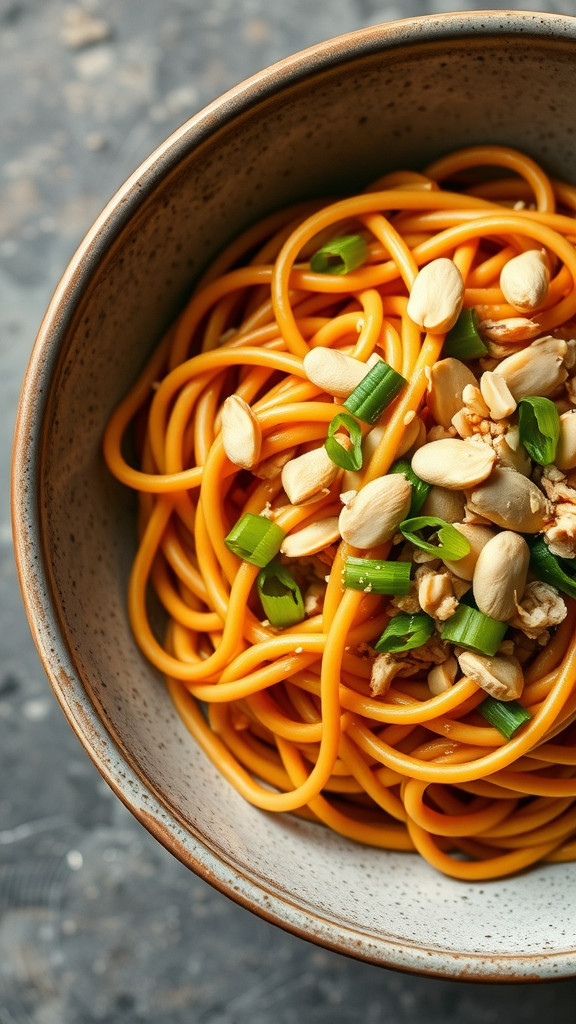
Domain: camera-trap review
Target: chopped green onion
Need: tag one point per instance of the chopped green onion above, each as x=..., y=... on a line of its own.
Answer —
x=453, y=545
x=340, y=256
x=506, y=716
x=255, y=539
x=374, y=392
x=469, y=628
x=419, y=488
x=346, y=460
x=405, y=631
x=280, y=595
x=377, y=577
x=559, y=572
x=539, y=425
x=463, y=340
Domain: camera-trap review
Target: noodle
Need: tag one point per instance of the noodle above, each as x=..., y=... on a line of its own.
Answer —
x=293, y=723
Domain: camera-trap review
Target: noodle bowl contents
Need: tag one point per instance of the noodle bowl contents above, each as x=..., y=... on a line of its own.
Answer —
x=358, y=510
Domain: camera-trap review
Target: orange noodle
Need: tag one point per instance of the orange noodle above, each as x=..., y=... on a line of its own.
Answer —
x=295, y=715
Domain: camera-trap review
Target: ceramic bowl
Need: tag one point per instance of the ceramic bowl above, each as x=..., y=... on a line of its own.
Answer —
x=324, y=122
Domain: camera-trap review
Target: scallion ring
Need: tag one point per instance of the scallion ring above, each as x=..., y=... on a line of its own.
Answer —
x=377, y=577
x=255, y=539
x=506, y=716
x=463, y=340
x=469, y=628
x=405, y=632
x=559, y=572
x=340, y=256
x=452, y=544
x=280, y=596
x=352, y=459
x=374, y=392
x=539, y=426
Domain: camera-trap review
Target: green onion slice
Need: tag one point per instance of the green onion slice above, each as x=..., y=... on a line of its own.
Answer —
x=559, y=572
x=346, y=460
x=376, y=577
x=280, y=595
x=340, y=256
x=506, y=716
x=463, y=340
x=452, y=546
x=374, y=392
x=539, y=425
x=255, y=539
x=404, y=632
x=419, y=488
x=469, y=628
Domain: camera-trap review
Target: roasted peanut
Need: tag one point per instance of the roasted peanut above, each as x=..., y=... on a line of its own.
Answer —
x=497, y=395
x=309, y=474
x=373, y=515
x=512, y=501
x=442, y=677
x=311, y=538
x=536, y=370
x=500, y=575
x=500, y=676
x=453, y=463
x=335, y=372
x=444, y=504
x=524, y=280
x=566, y=450
x=241, y=433
x=446, y=382
x=478, y=537
x=437, y=295
x=513, y=329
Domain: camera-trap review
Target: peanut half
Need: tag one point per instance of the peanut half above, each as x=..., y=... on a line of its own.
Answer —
x=478, y=537
x=437, y=296
x=524, y=280
x=453, y=463
x=513, y=329
x=500, y=575
x=512, y=501
x=335, y=372
x=500, y=676
x=566, y=450
x=497, y=395
x=445, y=504
x=311, y=473
x=446, y=382
x=536, y=370
x=241, y=434
x=442, y=677
x=311, y=539
x=373, y=515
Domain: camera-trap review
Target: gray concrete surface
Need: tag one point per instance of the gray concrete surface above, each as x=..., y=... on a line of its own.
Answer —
x=98, y=922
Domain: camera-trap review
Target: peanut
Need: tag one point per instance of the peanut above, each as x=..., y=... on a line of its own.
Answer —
x=497, y=395
x=241, y=433
x=437, y=295
x=444, y=504
x=311, y=539
x=566, y=450
x=536, y=370
x=500, y=575
x=446, y=382
x=309, y=474
x=453, y=463
x=524, y=280
x=442, y=677
x=512, y=501
x=373, y=515
x=335, y=372
x=501, y=676
x=512, y=330
x=478, y=536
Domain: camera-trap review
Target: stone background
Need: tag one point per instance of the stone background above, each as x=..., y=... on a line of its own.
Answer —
x=97, y=921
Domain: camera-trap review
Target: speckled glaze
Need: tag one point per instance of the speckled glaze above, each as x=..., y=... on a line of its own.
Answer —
x=323, y=122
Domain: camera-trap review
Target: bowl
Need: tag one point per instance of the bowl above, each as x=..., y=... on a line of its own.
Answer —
x=324, y=122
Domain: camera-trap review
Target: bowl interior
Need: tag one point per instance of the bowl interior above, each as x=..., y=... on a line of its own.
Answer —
x=391, y=97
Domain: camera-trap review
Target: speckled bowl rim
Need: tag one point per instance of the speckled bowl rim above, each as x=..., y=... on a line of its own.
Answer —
x=130, y=787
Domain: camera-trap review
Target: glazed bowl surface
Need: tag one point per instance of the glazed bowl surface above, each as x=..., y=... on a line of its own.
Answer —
x=322, y=123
